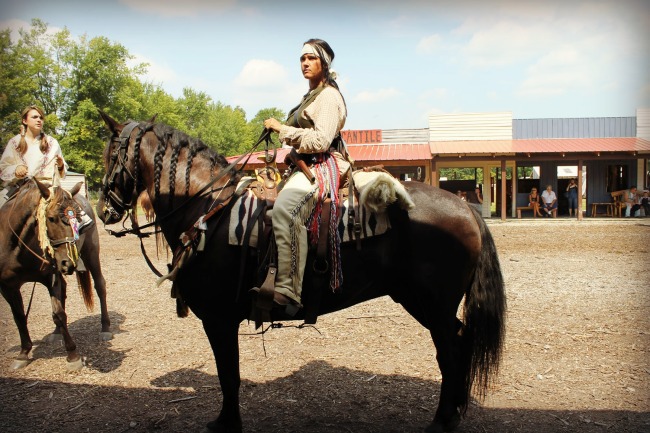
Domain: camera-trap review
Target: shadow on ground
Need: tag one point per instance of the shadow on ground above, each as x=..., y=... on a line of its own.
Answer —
x=85, y=333
x=318, y=398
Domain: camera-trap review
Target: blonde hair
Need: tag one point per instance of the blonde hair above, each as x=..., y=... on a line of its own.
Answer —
x=22, y=145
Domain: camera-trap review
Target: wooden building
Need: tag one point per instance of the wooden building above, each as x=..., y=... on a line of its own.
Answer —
x=606, y=154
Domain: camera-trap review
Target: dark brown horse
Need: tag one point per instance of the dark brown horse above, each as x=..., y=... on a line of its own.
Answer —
x=23, y=259
x=434, y=256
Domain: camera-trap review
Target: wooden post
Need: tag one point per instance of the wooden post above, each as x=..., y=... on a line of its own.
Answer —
x=579, y=190
x=434, y=174
x=503, y=189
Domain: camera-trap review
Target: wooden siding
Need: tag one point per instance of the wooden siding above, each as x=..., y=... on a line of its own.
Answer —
x=597, y=180
x=71, y=179
x=593, y=127
x=405, y=136
x=643, y=123
x=470, y=126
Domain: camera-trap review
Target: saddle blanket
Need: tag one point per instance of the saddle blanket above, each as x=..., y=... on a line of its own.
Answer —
x=373, y=224
x=376, y=191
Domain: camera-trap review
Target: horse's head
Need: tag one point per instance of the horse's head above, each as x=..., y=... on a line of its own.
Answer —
x=119, y=184
x=58, y=217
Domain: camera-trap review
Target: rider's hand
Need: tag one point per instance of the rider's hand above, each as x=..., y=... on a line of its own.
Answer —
x=21, y=171
x=272, y=124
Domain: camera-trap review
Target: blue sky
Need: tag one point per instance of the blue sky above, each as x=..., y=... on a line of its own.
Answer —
x=398, y=61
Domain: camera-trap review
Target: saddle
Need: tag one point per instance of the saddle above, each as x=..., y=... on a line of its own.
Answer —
x=364, y=200
x=265, y=189
x=361, y=212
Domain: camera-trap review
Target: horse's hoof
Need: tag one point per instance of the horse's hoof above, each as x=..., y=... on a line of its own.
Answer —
x=20, y=363
x=105, y=336
x=438, y=427
x=73, y=366
x=53, y=338
x=219, y=427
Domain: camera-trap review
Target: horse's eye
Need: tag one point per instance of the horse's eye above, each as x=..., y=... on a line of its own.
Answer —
x=51, y=219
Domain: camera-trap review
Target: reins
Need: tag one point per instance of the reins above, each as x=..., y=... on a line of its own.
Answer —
x=43, y=259
x=137, y=229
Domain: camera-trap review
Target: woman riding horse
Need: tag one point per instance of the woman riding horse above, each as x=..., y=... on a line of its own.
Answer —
x=311, y=128
x=33, y=154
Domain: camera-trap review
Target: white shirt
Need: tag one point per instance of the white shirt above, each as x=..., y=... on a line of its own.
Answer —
x=548, y=197
x=41, y=166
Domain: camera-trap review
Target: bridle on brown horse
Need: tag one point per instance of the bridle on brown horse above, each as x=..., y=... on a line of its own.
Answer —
x=71, y=242
x=118, y=175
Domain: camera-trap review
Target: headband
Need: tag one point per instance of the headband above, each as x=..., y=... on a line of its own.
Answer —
x=310, y=49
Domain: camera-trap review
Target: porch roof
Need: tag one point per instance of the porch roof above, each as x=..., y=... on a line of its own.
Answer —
x=541, y=145
x=360, y=153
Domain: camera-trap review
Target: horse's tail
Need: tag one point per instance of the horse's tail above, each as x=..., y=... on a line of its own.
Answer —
x=86, y=289
x=484, y=318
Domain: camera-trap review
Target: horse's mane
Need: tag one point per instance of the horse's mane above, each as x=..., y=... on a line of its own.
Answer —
x=57, y=197
x=176, y=140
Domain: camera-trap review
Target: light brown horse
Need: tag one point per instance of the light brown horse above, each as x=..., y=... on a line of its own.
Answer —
x=144, y=203
x=434, y=256
x=23, y=259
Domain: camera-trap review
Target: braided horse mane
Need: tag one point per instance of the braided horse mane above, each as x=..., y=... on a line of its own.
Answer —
x=176, y=140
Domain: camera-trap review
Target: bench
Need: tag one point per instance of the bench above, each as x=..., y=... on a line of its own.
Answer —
x=609, y=209
x=520, y=208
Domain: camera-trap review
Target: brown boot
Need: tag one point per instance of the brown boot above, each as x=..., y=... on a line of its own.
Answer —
x=280, y=299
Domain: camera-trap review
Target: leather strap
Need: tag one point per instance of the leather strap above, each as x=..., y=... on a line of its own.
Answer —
x=323, y=229
x=263, y=302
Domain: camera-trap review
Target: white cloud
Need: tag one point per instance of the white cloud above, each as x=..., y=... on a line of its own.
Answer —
x=376, y=96
x=258, y=73
x=556, y=73
x=263, y=84
x=503, y=43
x=15, y=25
x=175, y=8
x=156, y=73
x=429, y=44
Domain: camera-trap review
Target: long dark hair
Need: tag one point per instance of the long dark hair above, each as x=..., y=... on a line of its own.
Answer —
x=22, y=145
x=323, y=47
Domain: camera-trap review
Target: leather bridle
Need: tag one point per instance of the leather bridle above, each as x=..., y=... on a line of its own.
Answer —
x=117, y=170
x=71, y=242
x=114, y=203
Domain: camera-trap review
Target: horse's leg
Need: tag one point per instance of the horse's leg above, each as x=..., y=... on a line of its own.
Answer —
x=437, y=314
x=15, y=300
x=60, y=318
x=92, y=262
x=224, y=340
x=56, y=336
x=445, y=335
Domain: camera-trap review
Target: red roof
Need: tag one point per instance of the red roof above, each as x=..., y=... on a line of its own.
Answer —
x=541, y=145
x=423, y=152
x=360, y=153
x=390, y=152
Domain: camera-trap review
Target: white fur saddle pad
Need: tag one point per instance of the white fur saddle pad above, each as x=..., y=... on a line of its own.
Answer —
x=377, y=190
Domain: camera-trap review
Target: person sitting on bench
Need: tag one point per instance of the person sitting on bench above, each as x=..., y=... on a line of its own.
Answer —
x=533, y=201
x=549, y=201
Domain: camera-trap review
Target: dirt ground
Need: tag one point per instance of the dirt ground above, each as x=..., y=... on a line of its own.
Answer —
x=576, y=355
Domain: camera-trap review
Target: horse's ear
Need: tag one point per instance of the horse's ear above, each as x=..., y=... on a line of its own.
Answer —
x=110, y=122
x=45, y=191
x=153, y=119
x=75, y=189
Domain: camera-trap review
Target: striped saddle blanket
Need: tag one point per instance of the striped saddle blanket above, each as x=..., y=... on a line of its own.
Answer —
x=376, y=191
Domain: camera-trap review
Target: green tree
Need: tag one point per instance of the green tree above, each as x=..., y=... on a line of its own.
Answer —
x=73, y=78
